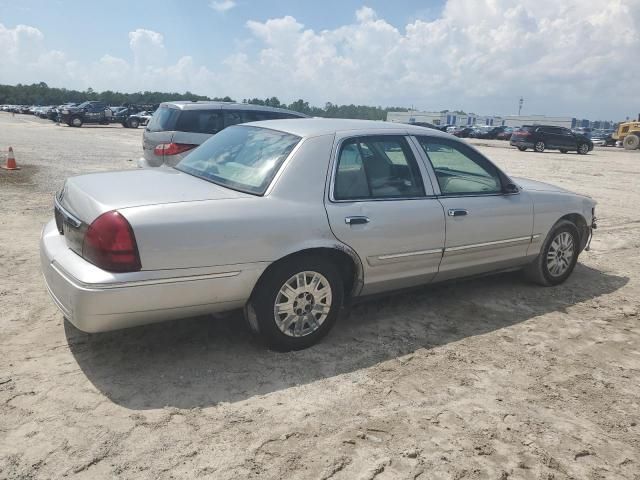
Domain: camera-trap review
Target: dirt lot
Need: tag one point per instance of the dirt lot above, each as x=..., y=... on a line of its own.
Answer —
x=484, y=379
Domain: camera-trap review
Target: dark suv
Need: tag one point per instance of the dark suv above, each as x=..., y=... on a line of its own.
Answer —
x=178, y=127
x=542, y=137
x=87, y=112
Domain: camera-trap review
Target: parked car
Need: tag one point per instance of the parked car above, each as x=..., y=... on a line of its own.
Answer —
x=603, y=138
x=178, y=127
x=478, y=131
x=505, y=134
x=463, y=132
x=137, y=119
x=132, y=116
x=543, y=137
x=489, y=132
x=55, y=113
x=87, y=112
x=291, y=219
x=584, y=131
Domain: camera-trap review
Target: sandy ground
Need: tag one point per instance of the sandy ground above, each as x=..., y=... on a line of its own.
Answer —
x=483, y=379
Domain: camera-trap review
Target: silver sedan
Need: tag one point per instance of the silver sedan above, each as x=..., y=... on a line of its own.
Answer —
x=291, y=219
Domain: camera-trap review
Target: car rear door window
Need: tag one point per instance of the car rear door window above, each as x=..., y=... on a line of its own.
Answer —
x=459, y=169
x=254, y=116
x=199, y=121
x=377, y=168
x=233, y=117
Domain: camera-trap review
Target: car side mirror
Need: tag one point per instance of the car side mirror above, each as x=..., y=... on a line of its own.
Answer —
x=511, y=188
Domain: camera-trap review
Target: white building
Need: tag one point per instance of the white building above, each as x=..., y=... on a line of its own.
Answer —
x=435, y=118
x=519, y=120
x=471, y=119
x=444, y=118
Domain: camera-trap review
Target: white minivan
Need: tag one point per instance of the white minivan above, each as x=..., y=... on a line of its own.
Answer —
x=178, y=127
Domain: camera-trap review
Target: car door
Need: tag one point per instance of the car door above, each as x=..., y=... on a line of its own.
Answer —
x=568, y=139
x=90, y=114
x=551, y=137
x=381, y=204
x=486, y=228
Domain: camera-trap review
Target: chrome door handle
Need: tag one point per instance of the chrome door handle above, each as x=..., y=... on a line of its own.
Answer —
x=457, y=212
x=356, y=220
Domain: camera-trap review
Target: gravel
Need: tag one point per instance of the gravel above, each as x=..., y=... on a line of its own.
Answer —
x=490, y=378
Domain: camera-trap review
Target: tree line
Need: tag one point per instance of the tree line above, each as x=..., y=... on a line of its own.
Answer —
x=42, y=94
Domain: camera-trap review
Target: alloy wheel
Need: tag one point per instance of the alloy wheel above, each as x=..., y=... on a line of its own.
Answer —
x=560, y=254
x=539, y=147
x=302, y=304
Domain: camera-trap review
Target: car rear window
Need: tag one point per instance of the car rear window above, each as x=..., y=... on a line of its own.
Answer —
x=163, y=119
x=240, y=157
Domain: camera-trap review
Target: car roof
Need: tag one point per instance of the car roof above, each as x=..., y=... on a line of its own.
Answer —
x=313, y=127
x=204, y=105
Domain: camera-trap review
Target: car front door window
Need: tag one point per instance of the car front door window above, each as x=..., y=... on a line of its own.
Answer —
x=459, y=170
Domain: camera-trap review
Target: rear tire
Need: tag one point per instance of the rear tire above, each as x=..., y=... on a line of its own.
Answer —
x=539, y=146
x=305, y=316
x=522, y=149
x=631, y=142
x=558, y=256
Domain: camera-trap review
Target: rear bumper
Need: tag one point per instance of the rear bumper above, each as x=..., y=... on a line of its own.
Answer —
x=123, y=302
x=142, y=163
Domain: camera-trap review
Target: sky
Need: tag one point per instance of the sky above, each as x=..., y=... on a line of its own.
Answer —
x=570, y=57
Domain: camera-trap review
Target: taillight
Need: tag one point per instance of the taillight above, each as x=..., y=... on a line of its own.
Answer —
x=173, y=148
x=111, y=245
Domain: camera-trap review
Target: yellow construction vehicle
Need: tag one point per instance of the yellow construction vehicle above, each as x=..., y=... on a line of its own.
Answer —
x=628, y=133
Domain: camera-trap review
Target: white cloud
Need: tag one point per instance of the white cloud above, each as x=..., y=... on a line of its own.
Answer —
x=147, y=47
x=567, y=57
x=222, y=5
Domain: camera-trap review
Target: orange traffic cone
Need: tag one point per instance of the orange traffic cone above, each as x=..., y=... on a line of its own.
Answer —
x=11, y=161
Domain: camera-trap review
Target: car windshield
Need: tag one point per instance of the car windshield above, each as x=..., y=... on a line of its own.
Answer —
x=84, y=104
x=240, y=157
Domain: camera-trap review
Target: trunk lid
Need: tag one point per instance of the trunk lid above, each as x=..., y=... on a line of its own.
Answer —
x=88, y=196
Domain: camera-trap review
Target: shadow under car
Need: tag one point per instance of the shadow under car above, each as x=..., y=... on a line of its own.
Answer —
x=202, y=361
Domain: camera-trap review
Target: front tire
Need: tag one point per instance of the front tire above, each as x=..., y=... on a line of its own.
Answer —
x=539, y=146
x=76, y=122
x=562, y=150
x=558, y=256
x=583, y=149
x=134, y=123
x=522, y=149
x=296, y=303
x=631, y=142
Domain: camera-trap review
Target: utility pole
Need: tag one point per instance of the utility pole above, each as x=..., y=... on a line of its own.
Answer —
x=520, y=105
